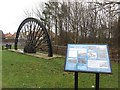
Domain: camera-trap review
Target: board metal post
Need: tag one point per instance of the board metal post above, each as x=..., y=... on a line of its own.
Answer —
x=76, y=80
x=97, y=81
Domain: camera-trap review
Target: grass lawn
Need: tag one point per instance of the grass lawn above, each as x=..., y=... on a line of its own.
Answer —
x=23, y=71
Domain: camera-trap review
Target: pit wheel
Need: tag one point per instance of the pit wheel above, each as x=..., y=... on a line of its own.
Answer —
x=32, y=36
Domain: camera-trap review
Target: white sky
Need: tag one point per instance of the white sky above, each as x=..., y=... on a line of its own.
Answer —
x=12, y=13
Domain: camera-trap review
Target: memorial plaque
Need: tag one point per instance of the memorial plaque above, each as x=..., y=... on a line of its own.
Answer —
x=87, y=58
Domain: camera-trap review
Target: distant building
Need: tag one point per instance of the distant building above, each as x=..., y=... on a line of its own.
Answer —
x=2, y=36
x=10, y=36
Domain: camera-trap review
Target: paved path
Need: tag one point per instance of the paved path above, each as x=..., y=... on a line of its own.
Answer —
x=40, y=55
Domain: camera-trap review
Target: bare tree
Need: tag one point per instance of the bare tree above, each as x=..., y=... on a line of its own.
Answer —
x=80, y=22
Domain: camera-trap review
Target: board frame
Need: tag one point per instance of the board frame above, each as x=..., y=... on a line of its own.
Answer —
x=88, y=71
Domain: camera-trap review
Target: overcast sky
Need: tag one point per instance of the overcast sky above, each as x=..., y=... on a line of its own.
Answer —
x=12, y=12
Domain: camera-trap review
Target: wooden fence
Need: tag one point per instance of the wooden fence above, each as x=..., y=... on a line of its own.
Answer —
x=113, y=52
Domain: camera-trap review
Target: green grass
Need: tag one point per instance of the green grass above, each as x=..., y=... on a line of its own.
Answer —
x=23, y=71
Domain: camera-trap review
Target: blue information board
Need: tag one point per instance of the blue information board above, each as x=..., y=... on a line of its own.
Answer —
x=87, y=58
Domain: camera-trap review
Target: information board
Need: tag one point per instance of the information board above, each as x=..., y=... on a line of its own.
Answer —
x=87, y=58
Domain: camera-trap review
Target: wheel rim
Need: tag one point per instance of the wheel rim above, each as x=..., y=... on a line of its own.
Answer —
x=32, y=36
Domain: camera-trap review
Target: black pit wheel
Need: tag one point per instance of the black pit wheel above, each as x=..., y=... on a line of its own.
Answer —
x=32, y=36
